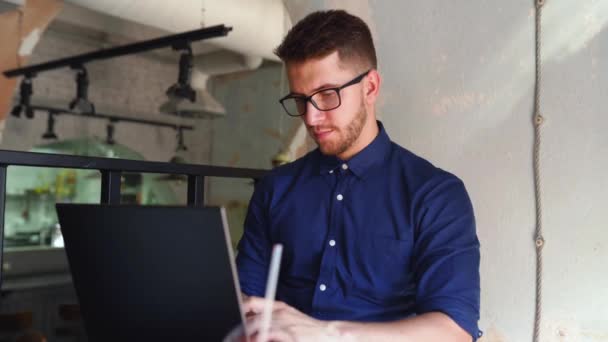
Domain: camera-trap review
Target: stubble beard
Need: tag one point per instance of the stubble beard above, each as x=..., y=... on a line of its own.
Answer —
x=346, y=137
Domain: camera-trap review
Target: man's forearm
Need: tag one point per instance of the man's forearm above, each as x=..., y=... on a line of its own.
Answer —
x=429, y=327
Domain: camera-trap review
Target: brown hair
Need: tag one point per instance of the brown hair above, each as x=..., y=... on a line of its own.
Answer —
x=321, y=33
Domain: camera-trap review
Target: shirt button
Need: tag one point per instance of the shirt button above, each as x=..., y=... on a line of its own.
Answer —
x=332, y=242
x=340, y=197
x=322, y=287
x=344, y=167
x=331, y=171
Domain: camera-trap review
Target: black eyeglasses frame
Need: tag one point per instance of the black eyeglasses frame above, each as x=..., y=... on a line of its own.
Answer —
x=306, y=99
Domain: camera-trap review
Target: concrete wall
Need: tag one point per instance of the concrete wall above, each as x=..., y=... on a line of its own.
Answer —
x=254, y=130
x=458, y=90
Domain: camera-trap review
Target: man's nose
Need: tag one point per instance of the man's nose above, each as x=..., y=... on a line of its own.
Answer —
x=313, y=116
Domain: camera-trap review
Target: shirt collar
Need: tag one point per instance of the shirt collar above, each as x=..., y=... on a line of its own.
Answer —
x=360, y=163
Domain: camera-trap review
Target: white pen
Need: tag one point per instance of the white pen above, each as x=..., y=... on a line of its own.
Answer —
x=271, y=288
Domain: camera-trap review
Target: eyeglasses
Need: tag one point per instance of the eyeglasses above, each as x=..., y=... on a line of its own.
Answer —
x=324, y=99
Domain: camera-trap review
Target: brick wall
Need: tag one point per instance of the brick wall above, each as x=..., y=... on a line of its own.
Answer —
x=132, y=85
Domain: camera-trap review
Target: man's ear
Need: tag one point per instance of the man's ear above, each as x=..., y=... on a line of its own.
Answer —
x=371, y=86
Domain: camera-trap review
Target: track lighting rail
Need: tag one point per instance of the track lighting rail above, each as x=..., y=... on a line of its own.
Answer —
x=175, y=41
x=113, y=118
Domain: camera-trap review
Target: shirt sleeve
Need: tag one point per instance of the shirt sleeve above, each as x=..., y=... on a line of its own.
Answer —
x=254, y=248
x=446, y=253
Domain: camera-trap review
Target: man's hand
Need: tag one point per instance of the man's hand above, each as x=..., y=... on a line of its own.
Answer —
x=288, y=324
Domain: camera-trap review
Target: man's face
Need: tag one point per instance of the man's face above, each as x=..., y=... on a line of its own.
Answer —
x=337, y=130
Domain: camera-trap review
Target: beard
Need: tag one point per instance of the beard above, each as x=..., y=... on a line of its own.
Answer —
x=346, y=137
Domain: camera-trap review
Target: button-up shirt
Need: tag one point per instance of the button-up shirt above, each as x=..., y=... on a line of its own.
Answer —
x=380, y=237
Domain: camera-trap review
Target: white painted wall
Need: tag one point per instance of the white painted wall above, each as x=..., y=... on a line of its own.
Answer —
x=458, y=90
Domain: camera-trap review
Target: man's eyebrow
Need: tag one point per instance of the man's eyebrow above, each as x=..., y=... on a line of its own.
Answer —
x=325, y=86
x=321, y=87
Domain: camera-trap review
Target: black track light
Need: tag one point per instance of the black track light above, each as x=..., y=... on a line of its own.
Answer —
x=81, y=103
x=182, y=89
x=181, y=96
x=180, y=141
x=25, y=97
x=110, y=133
x=50, y=128
x=178, y=158
x=16, y=111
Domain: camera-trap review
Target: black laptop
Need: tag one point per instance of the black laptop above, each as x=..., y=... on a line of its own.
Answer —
x=150, y=273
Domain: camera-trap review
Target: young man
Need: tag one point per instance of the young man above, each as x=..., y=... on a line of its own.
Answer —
x=378, y=243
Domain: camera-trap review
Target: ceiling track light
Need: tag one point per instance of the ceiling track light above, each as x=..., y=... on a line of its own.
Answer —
x=50, y=127
x=110, y=129
x=81, y=103
x=180, y=149
x=179, y=41
x=25, y=97
x=183, y=89
x=183, y=99
x=180, y=141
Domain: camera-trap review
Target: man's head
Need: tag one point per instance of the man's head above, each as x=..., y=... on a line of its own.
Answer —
x=322, y=53
x=321, y=33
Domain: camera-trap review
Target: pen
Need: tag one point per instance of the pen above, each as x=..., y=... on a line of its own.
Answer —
x=271, y=288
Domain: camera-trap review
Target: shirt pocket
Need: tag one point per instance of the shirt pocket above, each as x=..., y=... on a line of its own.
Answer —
x=381, y=268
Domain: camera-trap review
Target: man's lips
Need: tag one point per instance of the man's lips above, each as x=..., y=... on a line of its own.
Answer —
x=321, y=134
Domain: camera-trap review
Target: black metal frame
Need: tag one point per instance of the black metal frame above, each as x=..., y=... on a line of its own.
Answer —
x=176, y=41
x=111, y=170
x=111, y=117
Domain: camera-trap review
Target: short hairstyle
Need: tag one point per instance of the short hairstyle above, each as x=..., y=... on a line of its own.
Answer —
x=321, y=33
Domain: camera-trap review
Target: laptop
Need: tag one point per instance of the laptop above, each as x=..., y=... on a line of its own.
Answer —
x=152, y=273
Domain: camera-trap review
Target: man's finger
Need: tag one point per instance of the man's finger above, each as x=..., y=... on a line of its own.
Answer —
x=277, y=332
x=274, y=335
x=256, y=305
x=251, y=306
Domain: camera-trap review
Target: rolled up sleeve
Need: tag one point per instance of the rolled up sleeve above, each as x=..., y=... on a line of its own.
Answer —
x=254, y=248
x=446, y=253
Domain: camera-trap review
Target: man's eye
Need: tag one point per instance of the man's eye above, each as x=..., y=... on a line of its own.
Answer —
x=327, y=93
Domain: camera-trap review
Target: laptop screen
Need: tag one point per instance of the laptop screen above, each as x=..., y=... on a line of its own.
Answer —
x=150, y=273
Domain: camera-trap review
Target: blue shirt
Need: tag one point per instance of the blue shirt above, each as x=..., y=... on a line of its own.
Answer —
x=380, y=237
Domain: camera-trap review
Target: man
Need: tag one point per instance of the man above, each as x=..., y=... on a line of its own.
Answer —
x=378, y=243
